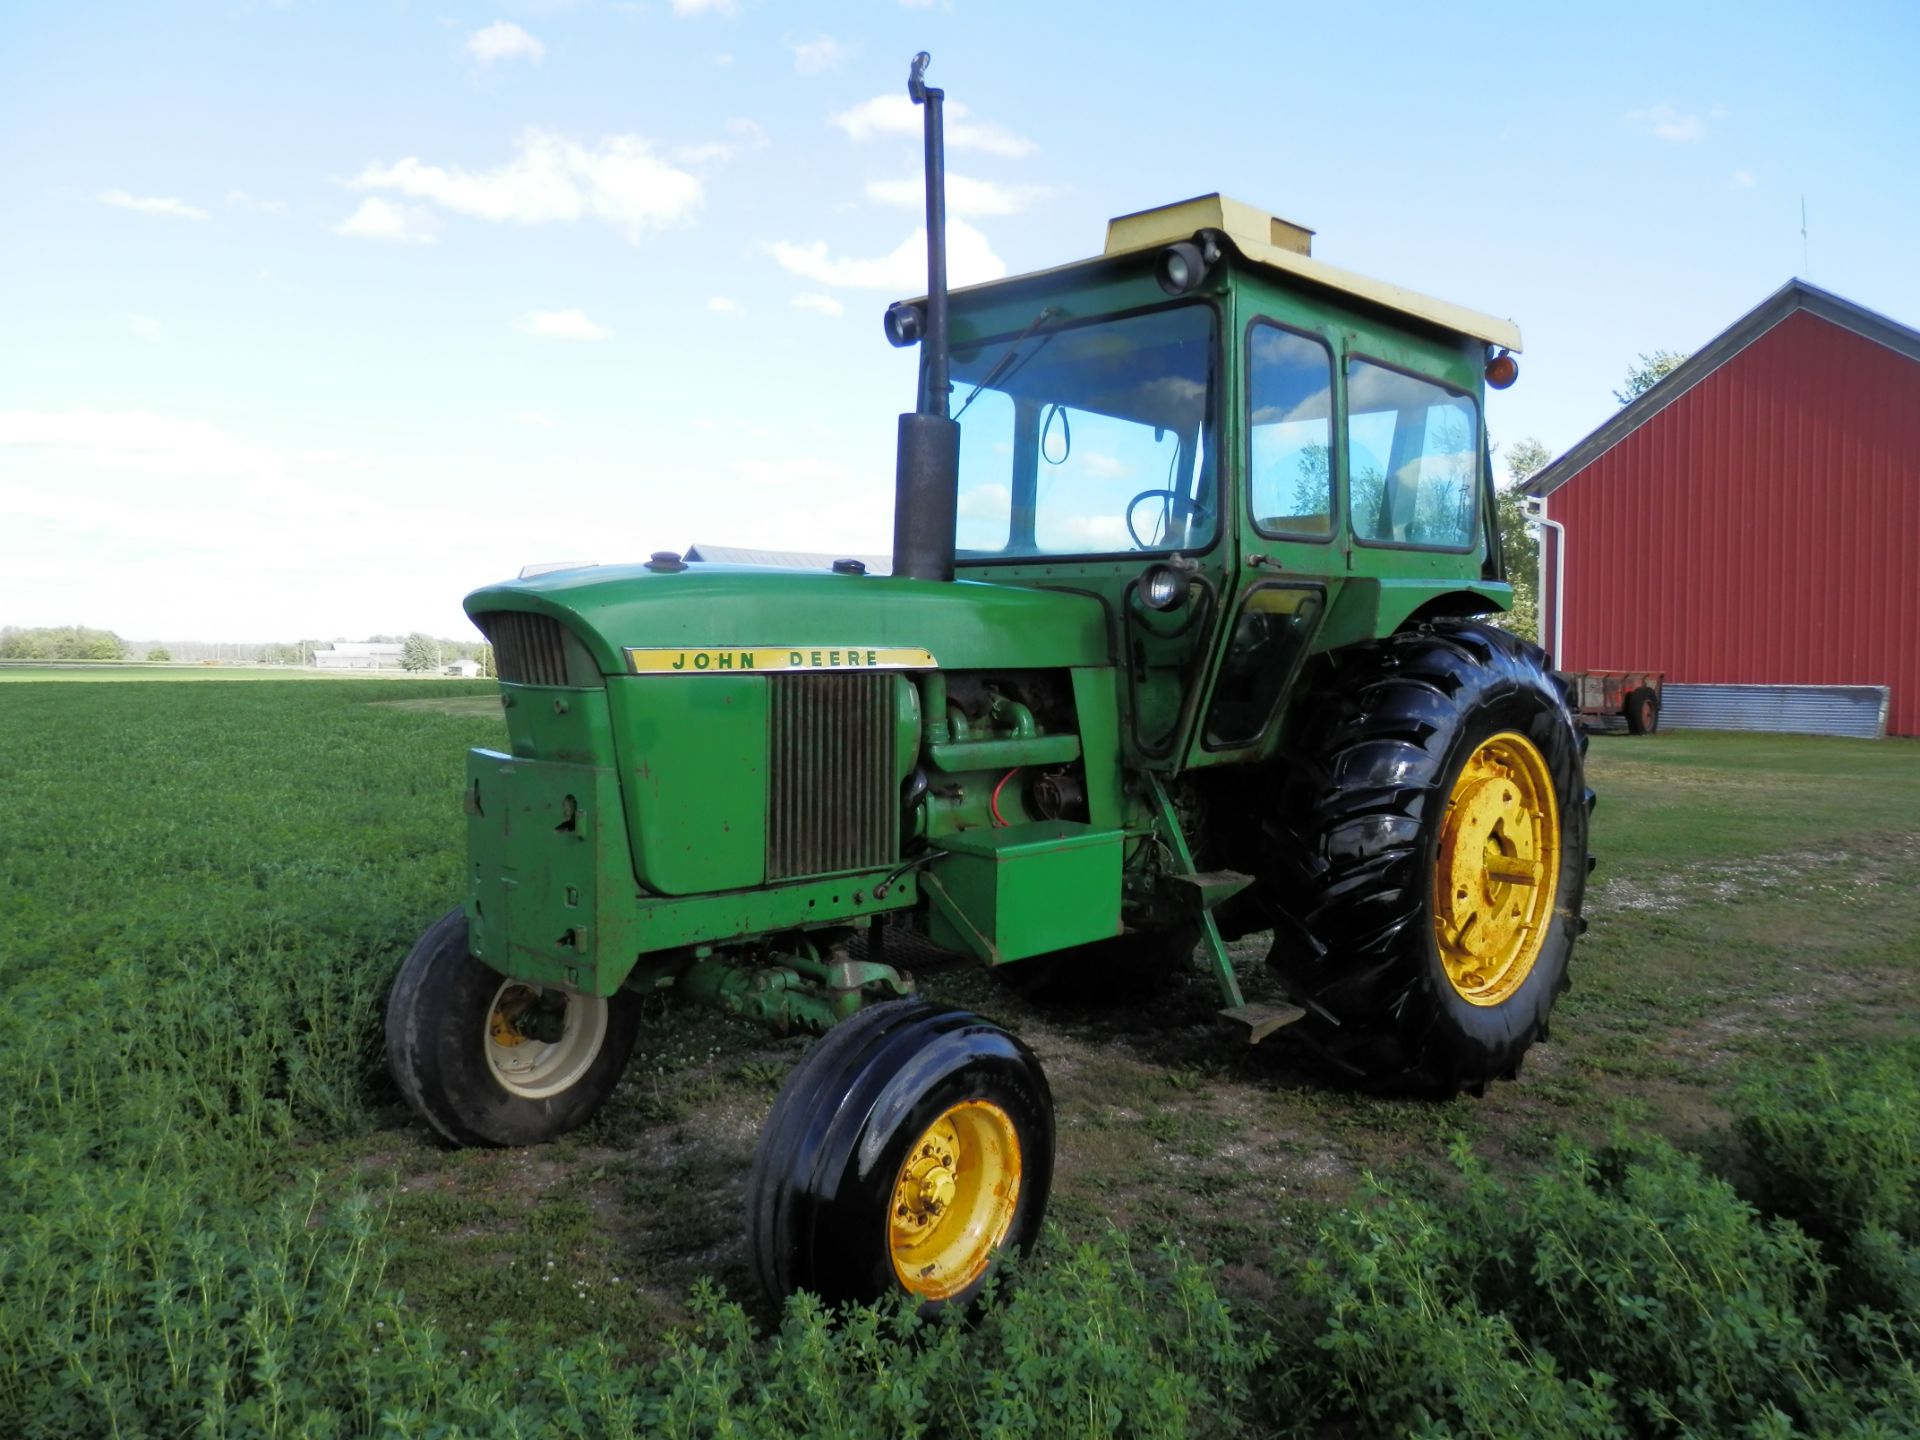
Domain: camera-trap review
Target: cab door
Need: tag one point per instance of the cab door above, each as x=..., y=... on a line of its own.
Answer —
x=1288, y=524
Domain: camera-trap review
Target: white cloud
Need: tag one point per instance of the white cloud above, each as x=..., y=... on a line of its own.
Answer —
x=723, y=59
x=965, y=195
x=917, y=4
x=792, y=470
x=153, y=205
x=561, y=325
x=534, y=420
x=747, y=135
x=722, y=305
x=1104, y=467
x=818, y=55
x=146, y=328
x=705, y=7
x=1664, y=122
x=378, y=219
x=552, y=178
x=1742, y=180
x=156, y=497
x=895, y=114
x=820, y=305
x=245, y=201
x=137, y=442
x=504, y=40
x=970, y=259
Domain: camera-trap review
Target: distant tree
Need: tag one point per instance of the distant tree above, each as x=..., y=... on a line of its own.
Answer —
x=1520, y=546
x=60, y=642
x=160, y=654
x=1648, y=371
x=419, y=652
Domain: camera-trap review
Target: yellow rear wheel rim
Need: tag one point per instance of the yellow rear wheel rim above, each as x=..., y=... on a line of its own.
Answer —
x=1498, y=869
x=954, y=1199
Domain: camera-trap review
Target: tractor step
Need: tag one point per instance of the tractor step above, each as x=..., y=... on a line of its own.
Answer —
x=1262, y=1020
x=1206, y=889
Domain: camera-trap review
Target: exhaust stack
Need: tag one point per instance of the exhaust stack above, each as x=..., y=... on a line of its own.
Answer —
x=926, y=478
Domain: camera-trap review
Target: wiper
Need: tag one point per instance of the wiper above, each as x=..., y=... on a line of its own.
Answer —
x=1002, y=366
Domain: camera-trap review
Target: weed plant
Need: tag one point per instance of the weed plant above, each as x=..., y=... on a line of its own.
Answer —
x=206, y=891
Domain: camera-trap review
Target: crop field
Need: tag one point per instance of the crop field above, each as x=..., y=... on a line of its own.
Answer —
x=1697, y=1212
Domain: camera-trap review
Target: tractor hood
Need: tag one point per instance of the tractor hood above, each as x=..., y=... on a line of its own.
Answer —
x=710, y=611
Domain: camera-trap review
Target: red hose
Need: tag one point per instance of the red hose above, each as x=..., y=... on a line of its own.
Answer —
x=994, y=803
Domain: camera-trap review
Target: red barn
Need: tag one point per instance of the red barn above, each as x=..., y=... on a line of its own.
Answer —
x=1753, y=518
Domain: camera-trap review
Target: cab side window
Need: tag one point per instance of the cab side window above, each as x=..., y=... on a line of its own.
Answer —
x=1412, y=459
x=1289, y=432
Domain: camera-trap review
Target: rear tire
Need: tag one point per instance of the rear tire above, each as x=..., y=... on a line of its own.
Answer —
x=486, y=1060
x=1429, y=858
x=909, y=1149
x=1643, y=712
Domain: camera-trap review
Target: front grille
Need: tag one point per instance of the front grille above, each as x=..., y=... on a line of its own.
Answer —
x=831, y=794
x=527, y=649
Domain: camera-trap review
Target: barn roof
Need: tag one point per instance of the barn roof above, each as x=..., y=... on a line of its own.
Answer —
x=1793, y=296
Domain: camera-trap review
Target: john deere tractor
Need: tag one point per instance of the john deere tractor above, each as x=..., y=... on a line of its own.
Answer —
x=1181, y=642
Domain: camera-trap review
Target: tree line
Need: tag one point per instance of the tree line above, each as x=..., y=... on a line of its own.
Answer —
x=419, y=652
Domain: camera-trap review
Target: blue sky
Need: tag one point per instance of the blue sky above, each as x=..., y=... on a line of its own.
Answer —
x=316, y=316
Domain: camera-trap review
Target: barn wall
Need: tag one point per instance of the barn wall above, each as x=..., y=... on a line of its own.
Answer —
x=1763, y=528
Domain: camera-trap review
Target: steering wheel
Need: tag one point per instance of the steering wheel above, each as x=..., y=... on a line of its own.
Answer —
x=1174, y=506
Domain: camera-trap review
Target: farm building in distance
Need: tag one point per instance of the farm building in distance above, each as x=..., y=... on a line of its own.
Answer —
x=1753, y=518
x=356, y=655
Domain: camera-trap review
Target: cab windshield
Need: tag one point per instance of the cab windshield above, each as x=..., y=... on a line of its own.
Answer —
x=1088, y=439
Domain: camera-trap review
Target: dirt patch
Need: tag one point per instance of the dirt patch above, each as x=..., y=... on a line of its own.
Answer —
x=1731, y=881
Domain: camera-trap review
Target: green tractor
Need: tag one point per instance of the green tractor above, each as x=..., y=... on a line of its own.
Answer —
x=1179, y=645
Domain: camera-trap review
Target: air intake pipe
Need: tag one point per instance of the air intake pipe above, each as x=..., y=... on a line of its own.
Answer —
x=926, y=475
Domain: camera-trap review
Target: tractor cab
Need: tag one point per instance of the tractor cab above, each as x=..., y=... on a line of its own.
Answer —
x=1245, y=453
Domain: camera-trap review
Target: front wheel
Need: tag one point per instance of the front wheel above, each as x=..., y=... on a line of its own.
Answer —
x=1430, y=858
x=489, y=1060
x=911, y=1147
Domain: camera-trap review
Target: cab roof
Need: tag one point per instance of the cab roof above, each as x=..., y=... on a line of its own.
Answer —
x=1280, y=245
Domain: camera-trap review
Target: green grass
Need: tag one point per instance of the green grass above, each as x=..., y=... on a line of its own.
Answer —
x=217, y=1219
x=40, y=671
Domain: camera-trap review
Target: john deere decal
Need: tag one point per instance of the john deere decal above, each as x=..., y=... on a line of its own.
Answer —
x=762, y=659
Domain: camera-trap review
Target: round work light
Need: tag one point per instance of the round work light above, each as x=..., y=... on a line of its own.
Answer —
x=1163, y=588
x=1183, y=265
x=904, y=323
x=1502, y=370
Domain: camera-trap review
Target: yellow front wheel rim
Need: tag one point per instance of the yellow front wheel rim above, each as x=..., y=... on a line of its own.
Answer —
x=954, y=1199
x=1498, y=869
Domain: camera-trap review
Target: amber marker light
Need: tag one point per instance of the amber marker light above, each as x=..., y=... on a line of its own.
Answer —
x=1502, y=370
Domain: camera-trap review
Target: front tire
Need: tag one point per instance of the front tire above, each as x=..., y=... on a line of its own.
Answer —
x=1430, y=858
x=488, y=1060
x=909, y=1148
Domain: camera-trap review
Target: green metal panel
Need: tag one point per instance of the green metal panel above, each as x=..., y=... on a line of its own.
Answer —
x=965, y=625
x=1097, y=708
x=1009, y=893
x=1366, y=608
x=693, y=766
x=535, y=893
x=553, y=722
x=559, y=905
